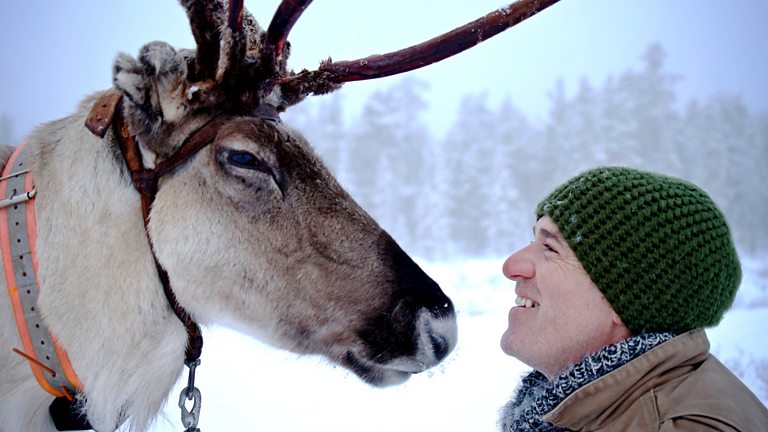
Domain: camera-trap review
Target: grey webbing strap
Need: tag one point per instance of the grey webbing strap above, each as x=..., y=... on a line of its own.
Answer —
x=24, y=272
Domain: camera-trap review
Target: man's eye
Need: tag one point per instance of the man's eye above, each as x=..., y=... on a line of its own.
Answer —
x=549, y=248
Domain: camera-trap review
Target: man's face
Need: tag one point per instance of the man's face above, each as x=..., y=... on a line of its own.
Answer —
x=560, y=315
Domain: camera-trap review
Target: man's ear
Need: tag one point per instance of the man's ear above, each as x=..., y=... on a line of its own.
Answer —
x=620, y=330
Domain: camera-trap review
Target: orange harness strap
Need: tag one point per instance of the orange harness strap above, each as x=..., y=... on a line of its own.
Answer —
x=18, y=232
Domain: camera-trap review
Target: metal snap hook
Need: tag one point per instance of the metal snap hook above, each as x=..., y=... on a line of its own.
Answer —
x=189, y=418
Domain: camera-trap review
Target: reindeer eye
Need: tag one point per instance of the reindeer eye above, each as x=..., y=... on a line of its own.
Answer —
x=249, y=161
x=244, y=159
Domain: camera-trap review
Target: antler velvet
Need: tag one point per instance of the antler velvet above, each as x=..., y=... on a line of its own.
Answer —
x=250, y=66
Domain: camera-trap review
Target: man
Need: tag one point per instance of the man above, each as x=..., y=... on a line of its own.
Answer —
x=626, y=269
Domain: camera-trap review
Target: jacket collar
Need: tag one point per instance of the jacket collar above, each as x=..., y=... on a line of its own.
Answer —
x=596, y=403
x=536, y=395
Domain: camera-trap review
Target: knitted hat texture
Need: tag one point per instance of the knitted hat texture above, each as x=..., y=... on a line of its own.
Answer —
x=657, y=247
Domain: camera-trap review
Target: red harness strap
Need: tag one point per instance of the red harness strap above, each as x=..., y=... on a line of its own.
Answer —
x=48, y=360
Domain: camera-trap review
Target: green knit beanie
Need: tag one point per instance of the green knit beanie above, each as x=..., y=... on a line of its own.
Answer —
x=657, y=247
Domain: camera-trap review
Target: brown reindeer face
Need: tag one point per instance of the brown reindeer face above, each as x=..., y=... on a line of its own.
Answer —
x=255, y=232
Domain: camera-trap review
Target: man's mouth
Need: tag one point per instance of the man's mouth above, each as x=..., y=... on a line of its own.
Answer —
x=525, y=302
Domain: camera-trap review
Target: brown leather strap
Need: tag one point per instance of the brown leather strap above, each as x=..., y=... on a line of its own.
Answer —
x=100, y=118
x=133, y=160
x=145, y=181
x=194, y=143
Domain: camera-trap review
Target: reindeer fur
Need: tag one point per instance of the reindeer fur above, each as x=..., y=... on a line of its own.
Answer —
x=232, y=257
x=112, y=297
x=278, y=249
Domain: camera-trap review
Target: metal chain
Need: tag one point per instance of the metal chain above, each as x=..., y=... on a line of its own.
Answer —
x=190, y=418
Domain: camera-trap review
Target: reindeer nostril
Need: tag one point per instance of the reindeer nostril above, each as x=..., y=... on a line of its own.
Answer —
x=439, y=346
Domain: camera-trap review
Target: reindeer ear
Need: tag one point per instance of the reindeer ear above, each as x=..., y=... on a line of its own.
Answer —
x=127, y=77
x=155, y=83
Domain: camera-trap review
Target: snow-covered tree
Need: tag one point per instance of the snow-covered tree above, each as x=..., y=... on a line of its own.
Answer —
x=387, y=153
x=514, y=165
x=470, y=152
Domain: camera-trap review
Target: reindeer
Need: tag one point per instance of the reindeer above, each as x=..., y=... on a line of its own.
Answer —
x=179, y=197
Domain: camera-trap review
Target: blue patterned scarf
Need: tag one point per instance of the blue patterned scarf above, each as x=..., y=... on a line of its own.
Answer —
x=536, y=395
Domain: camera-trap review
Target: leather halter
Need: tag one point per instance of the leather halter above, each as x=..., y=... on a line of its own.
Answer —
x=107, y=111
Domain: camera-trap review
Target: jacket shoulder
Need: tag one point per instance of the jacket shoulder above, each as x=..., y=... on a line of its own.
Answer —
x=709, y=396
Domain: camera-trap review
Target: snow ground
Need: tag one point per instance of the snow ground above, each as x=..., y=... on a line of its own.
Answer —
x=248, y=386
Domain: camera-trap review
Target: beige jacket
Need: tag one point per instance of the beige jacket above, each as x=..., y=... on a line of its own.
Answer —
x=677, y=386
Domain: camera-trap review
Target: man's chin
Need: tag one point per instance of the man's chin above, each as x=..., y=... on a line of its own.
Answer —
x=506, y=342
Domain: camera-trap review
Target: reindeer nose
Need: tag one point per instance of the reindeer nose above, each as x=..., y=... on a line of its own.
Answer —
x=442, y=308
x=440, y=346
x=422, y=318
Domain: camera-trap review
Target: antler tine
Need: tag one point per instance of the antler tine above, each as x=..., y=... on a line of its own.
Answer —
x=205, y=18
x=273, y=53
x=235, y=21
x=416, y=56
x=233, y=47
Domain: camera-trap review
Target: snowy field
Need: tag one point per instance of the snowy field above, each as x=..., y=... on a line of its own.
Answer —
x=247, y=386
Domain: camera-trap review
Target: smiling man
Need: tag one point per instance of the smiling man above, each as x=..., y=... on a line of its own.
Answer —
x=625, y=270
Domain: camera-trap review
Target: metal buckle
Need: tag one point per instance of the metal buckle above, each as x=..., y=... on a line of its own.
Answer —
x=18, y=198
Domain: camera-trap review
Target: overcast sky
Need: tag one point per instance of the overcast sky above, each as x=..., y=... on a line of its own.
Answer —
x=55, y=52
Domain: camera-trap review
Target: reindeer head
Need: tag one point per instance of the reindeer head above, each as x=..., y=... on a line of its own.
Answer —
x=253, y=230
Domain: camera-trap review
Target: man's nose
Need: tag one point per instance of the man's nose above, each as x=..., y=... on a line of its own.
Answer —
x=518, y=266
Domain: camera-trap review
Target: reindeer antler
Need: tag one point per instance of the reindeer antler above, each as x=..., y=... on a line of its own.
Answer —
x=416, y=56
x=438, y=48
x=276, y=38
x=250, y=70
x=235, y=21
x=228, y=42
x=205, y=19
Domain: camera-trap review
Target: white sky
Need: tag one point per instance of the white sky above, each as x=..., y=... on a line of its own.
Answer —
x=55, y=52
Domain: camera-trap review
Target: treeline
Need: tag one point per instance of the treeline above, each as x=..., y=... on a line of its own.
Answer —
x=473, y=191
